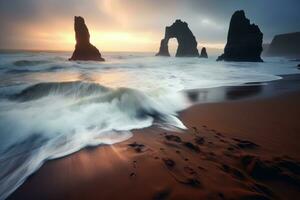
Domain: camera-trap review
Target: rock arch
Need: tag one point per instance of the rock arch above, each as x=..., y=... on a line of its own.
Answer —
x=187, y=44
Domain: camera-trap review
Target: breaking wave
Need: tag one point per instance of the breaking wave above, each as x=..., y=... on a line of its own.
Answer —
x=21, y=63
x=50, y=120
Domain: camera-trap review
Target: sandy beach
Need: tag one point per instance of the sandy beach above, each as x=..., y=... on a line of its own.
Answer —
x=247, y=148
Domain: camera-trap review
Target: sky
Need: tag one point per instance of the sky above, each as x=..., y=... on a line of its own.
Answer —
x=135, y=25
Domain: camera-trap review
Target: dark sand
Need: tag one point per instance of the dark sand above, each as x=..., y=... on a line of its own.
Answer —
x=238, y=149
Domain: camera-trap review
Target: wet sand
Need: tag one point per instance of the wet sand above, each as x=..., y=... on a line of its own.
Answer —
x=244, y=146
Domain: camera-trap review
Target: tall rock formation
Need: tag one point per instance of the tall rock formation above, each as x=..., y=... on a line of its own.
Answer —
x=187, y=44
x=203, y=53
x=244, y=40
x=285, y=45
x=84, y=50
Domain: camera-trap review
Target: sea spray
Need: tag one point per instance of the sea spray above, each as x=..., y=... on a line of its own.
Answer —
x=51, y=120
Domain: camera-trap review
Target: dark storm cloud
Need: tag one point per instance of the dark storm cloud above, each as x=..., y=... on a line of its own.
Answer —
x=273, y=16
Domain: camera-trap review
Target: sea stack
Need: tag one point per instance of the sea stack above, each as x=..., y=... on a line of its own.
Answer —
x=84, y=50
x=203, y=53
x=244, y=40
x=163, y=49
x=285, y=45
x=187, y=44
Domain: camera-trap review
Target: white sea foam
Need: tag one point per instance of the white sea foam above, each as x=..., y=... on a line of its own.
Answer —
x=50, y=107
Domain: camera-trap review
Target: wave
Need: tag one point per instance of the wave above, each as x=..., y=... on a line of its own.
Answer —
x=21, y=63
x=18, y=71
x=75, y=89
x=35, y=69
x=131, y=101
x=50, y=120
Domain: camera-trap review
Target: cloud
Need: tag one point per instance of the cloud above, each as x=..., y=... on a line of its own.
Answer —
x=36, y=23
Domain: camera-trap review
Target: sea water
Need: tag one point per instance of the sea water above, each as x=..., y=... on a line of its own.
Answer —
x=51, y=107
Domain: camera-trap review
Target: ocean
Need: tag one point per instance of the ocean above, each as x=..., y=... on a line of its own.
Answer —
x=51, y=107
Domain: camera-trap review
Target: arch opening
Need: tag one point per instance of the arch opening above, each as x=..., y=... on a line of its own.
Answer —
x=173, y=46
x=187, y=44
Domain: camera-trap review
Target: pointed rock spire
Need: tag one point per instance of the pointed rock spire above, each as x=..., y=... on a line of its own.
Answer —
x=84, y=50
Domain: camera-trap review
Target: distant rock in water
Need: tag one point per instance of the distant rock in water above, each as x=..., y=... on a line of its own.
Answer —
x=84, y=50
x=187, y=44
x=285, y=45
x=164, y=49
x=203, y=53
x=244, y=40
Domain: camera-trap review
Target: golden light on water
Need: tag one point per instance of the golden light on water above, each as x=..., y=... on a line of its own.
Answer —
x=112, y=79
x=53, y=77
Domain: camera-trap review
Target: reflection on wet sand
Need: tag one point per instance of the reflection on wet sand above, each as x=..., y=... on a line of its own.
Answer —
x=223, y=93
x=238, y=92
x=249, y=90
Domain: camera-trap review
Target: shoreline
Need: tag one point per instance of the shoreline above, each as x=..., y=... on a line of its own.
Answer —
x=246, y=91
x=204, y=161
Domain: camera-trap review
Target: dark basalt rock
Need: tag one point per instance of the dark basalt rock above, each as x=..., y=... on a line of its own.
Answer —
x=84, y=50
x=203, y=53
x=163, y=49
x=286, y=45
x=244, y=40
x=187, y=44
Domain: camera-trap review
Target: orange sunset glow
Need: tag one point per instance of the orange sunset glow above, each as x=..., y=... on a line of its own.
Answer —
x=106, y=40
x=113, y=26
